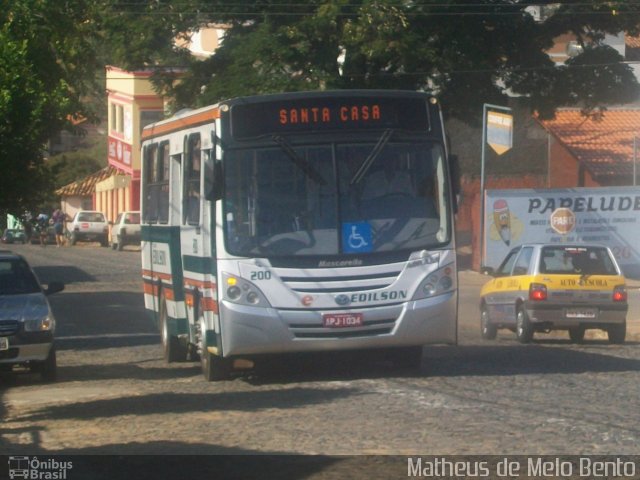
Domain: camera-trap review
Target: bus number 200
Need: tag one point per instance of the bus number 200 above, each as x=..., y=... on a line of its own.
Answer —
x=261, y=275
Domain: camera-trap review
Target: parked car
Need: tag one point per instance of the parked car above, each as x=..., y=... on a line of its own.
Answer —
x=125, y=230
x=543, y=287
x=88, y=226
x=13, y=236
x=27, y=325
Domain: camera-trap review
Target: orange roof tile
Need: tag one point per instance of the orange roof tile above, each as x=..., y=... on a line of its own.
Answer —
x=632, y=41
x=602, y=143
x=86, y=186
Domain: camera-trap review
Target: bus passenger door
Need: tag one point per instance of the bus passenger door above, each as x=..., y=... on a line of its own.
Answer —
x=194, y=234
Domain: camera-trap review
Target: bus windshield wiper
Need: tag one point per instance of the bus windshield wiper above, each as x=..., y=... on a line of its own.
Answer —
x=298, y=161
x=364, y=167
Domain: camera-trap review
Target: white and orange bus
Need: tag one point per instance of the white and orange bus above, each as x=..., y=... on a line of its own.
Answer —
x=298, y=222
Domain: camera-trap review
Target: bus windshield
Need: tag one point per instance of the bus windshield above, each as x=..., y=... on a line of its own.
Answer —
x=334, y=199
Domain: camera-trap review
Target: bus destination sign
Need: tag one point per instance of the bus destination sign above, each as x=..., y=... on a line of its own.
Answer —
x=328, y=114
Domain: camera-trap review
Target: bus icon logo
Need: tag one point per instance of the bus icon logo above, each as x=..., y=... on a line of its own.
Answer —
x=18, y=467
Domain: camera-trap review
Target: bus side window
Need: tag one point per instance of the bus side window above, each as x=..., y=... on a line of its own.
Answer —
x=163, y=183
x=191, y=200
x=149, y=202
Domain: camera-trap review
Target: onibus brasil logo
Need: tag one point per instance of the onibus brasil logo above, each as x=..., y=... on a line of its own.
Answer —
x=36, y=469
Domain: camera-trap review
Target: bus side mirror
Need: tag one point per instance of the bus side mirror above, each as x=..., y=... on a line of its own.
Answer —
x=215, y=191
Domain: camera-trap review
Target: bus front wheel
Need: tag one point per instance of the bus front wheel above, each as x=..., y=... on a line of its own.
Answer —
x=215, y=367
x=174, y=351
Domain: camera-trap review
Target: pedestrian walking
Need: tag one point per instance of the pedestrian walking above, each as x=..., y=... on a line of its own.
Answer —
x=59, y=218
x=42, y=227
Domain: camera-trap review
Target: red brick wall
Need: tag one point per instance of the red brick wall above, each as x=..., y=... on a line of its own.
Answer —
x=564, y=169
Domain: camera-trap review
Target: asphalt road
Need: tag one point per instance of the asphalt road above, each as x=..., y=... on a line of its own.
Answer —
x=115, y=395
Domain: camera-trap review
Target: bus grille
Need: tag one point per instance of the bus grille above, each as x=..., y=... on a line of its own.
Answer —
x=9, y=327
x=369, y=329
x=341, y=284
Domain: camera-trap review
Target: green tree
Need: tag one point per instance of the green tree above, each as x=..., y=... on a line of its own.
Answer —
x=468, y=53
x=48, y=68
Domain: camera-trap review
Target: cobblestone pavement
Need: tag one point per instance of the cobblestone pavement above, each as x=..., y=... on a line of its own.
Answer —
x=115, y=394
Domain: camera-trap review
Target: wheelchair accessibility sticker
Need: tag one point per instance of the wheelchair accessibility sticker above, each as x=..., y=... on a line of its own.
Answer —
x=356, y=237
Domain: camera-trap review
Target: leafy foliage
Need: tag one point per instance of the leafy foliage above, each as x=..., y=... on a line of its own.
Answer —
x=47, y=68
x=468, y=53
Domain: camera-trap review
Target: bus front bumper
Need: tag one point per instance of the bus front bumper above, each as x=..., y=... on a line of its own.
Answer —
x=250, y=330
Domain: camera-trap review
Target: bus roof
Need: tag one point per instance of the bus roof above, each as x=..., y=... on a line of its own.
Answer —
x=183, y=119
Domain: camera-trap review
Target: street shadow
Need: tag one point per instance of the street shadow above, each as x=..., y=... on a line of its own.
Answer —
x=100, y=314
x=62, y=273
x=325, y=367
x=533, y=359
x=178, y=403
x=162, y=460
x=170, y=460
x=98, y=342
x=100, y=372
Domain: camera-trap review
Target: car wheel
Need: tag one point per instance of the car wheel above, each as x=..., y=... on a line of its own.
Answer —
x=48, y=369
x=74, y=239
x=114, y=246
x=617, y=333
x=173, y=350
x=488, y=331
x=524, y=329
x=120, y=243
x=104, y=241
x=576, y=334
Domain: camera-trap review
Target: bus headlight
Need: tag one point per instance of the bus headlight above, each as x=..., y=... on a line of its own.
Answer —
x=233, y=292
x=436, y=283
x=240, y=291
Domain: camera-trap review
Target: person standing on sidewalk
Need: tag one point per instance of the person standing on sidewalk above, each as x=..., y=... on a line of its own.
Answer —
x=58, y=226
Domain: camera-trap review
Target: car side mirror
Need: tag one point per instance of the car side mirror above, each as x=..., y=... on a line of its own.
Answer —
x=54, y=287
x=488, y=271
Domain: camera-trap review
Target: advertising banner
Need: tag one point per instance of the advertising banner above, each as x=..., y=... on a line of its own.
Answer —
x=500, y=131
x=120, y=154
x=606, y=215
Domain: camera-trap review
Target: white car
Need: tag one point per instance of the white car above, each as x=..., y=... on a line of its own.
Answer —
x=26, y=322
x=89, y=226
x=125, y=230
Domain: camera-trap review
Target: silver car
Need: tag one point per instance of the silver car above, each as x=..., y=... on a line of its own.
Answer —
x=27, y=324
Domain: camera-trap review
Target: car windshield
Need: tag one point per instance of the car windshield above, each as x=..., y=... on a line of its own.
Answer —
x=90, y=217
x=17, y=278
x=334, y=199
x=577, y=261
